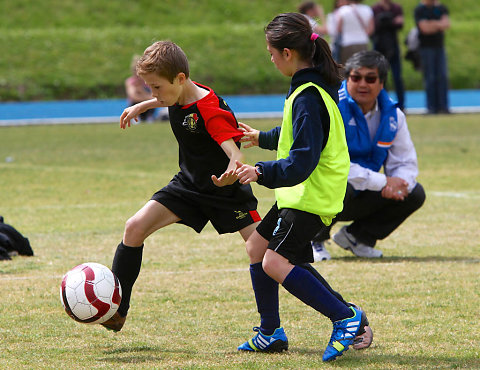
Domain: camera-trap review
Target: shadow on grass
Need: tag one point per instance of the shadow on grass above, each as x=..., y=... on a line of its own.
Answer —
x=141, y=354
x=365, y=358
x=360, y=359
x=396, y=259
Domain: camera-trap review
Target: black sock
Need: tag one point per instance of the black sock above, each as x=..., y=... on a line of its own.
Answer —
x=126, y=266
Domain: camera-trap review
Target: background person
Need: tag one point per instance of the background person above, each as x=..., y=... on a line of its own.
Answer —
x=332, y=29
x=432, y=20
x=138, y=91
x=377, y=136
x=356, y=25
x=388, y=18
x=314, y=12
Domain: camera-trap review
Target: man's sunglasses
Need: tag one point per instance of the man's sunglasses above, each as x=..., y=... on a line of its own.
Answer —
x=368, y=79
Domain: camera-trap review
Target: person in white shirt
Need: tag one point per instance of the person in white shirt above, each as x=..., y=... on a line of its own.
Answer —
x=355, y=25
x=377, y=136
x=332, y=29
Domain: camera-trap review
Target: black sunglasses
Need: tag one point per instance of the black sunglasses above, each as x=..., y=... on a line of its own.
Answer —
x=368, y=79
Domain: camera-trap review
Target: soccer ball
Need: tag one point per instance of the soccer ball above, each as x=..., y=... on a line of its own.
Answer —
x=90, y=293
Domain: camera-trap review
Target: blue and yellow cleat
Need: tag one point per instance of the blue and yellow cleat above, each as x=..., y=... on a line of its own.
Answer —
x=344, y=332
x=277, y=342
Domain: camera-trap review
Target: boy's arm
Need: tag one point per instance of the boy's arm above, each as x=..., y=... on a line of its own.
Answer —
x=229, y=176
x=135, y=110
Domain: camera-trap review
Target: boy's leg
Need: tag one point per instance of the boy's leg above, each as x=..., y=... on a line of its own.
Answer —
x=128, y=256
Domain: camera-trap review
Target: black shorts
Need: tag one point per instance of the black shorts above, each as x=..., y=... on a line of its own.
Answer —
x=228, y=212
x=289, y=232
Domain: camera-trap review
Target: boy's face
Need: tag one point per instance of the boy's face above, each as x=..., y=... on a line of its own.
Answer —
x=166, y=93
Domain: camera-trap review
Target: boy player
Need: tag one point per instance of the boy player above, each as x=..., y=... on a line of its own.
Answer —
x=205, y=189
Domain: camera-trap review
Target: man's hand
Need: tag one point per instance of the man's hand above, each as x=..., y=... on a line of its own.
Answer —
x=396, y=189
x=245, y=173
x=250, y=135
x=227, y=178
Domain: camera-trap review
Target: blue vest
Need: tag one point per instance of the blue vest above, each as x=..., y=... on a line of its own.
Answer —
x=362, y=150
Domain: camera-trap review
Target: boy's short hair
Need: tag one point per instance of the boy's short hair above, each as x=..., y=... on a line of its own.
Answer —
x=164, y=58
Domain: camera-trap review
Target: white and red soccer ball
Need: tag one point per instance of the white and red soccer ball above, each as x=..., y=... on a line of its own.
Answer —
x=90, y=293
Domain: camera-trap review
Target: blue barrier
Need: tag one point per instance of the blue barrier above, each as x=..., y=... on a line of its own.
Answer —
x=244, y=106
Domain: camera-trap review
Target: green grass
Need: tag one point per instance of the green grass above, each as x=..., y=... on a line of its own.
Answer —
x=82, y=49
x=69, y=189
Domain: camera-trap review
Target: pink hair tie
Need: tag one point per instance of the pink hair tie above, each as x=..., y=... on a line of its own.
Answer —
x=314, y=36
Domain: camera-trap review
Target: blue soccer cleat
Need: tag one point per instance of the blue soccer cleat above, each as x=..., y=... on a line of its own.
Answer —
x=277, y=342
x=344, y=332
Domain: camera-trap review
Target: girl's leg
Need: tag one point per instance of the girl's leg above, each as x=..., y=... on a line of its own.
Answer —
x=320, y=278
x=305, y=286
x=264, y=287
x=128, y=257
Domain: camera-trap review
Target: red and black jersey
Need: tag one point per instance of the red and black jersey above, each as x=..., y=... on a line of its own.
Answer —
x=200, y=128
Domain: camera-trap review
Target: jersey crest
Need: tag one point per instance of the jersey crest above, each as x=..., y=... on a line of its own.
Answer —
x=190, y=122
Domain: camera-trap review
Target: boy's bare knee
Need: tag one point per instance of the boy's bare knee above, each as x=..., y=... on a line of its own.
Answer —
x=134, y=234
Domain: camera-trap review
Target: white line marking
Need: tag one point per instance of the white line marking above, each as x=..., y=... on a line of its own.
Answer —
x=156, y=272
x=452, y=194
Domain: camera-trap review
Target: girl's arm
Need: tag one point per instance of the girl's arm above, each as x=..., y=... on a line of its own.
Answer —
x=264, y=140
x=308, y=137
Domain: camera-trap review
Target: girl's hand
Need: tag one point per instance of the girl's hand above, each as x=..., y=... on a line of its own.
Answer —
x=227, y=178
x=250, y=135
x=245, y=173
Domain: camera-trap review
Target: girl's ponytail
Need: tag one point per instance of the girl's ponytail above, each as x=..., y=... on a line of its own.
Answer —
x=322, y=57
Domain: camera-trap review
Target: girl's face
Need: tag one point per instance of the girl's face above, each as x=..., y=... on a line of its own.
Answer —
x=281, y=60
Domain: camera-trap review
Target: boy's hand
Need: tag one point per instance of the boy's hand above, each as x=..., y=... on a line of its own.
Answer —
x=245, y=173
x=249, y=135
x=227, y=178
x=129, y=114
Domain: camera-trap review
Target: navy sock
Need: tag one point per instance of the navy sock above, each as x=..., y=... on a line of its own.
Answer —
x=320, y=278
x=266, y=296
x=126, y=266
x=306, y=287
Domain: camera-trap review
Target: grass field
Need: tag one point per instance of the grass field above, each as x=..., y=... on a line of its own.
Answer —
x=69, y=189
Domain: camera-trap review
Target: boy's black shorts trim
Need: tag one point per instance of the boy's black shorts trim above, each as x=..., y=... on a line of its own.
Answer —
x=227, y=214
x=289, y=232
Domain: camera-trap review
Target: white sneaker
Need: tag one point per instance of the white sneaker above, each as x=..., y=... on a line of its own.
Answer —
x=320, y=253
x=347, y=241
